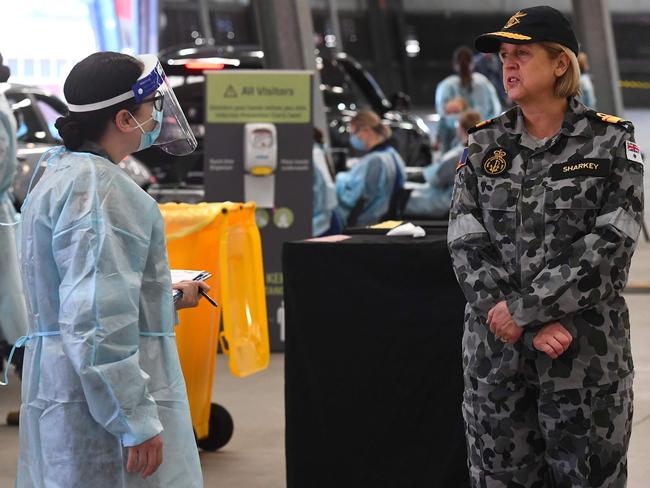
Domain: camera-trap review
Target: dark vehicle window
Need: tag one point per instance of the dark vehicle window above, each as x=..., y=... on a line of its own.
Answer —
x=232, y=23
x=190, y=95
x=341, y=90
x=50, y=114
x=29, y=127
x=234, y=26
x=180, y=25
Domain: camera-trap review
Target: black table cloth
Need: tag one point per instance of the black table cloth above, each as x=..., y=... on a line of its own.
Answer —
x=373, y=371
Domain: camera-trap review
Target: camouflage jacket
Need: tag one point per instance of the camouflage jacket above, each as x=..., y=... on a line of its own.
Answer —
x=551, y=231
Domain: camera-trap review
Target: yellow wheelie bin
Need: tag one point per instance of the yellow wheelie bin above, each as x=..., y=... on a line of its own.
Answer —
x=220, y=238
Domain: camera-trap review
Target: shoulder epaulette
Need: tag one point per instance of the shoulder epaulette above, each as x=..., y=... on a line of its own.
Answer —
x=480, y=125
x=610, y=119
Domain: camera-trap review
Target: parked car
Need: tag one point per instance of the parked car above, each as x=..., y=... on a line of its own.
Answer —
x=35, y=111
x=346, y=87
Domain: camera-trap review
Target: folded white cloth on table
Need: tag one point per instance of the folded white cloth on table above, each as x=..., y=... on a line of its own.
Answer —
x=407, y=229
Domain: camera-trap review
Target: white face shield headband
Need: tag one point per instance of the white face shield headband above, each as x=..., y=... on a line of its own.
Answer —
x=175, y=135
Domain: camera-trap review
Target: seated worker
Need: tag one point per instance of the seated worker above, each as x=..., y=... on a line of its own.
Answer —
x=324, y=220
x=447, y=133
x=433, y=198
x=366, y=190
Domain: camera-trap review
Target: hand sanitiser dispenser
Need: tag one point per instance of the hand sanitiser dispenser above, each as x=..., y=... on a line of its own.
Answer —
x=260, y=163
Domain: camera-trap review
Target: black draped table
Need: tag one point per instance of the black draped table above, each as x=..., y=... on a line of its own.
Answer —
x=373, y=371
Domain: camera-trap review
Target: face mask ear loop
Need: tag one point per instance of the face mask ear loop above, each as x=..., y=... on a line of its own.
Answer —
x=138, y=123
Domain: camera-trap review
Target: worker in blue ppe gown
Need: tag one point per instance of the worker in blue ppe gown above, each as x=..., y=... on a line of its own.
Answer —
x=104, y=402
x=587, y=93
x=432, y=199
x=324, y=219
x=475, y=89
x=13, y=315
x=365, y=192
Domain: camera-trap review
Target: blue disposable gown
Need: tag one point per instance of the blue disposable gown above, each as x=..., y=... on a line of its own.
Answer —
x=101, y=370
x=433, y=198
x=482, y=98
x=324, y=196
x=372, y=178
x=13, y=315
x=488, y=65
x=587, y=94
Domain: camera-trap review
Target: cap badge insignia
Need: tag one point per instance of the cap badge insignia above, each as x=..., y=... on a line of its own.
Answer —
x=514, y=20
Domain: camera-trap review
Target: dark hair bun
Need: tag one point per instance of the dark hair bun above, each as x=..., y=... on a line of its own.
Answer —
x=70, y=131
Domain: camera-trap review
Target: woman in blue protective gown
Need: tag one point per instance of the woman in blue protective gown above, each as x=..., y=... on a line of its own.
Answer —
x=474, y=88
x=324, y=220
x=13, y=316
x=364, y=193
x=104, y=402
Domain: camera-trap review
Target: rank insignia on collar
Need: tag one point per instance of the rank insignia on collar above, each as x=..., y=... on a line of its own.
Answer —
x=612, y=119
x=480, y=125
x=463, y=159
x=496, y=162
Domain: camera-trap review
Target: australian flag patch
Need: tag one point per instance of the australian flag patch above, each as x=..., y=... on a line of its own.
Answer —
x=463, y=159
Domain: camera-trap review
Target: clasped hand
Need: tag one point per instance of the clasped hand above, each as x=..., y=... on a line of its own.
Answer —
x=502, y=324
x=553, y=339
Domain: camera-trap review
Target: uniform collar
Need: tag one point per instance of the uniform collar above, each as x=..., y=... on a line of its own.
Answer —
x=382, y=146
x=575, y=123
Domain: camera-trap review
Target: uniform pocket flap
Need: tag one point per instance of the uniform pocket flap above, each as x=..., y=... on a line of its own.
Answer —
x=464, y=225
x=576, y=193
x=622, y=221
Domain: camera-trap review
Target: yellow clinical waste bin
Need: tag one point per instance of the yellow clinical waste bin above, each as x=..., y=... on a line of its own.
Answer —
x=221, y=238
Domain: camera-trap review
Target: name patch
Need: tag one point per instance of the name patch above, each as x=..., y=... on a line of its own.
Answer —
x=585, y=167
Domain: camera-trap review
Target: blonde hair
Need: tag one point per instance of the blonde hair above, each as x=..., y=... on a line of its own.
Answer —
x=368, y=118
x=567, y=85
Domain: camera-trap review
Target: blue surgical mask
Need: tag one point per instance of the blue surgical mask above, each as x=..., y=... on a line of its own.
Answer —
x=147, y=139
x=357, y=143
x=451, y=120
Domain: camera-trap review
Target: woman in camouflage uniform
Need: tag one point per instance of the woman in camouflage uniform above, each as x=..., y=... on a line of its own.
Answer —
x=545, y=216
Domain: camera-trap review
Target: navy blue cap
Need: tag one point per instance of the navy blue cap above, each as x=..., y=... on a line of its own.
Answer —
x=534, y=24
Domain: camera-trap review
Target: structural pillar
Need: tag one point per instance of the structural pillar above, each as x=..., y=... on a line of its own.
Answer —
x=287, y=33
x=594, y=23
x=336, y=25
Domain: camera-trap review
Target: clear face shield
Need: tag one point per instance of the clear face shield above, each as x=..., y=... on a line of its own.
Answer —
x=175, y=135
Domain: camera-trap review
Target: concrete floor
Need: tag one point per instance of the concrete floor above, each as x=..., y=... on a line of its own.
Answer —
x=254, y=458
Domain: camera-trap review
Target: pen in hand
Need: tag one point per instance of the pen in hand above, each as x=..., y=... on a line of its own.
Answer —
x=208, y=298
x=194, y=289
